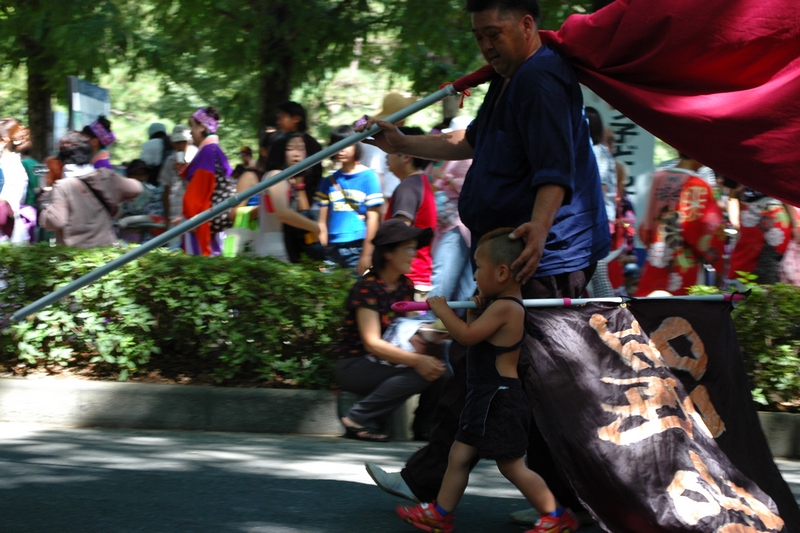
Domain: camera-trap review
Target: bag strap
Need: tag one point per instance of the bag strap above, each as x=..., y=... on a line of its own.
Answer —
x=354, y=206
x=100, y=198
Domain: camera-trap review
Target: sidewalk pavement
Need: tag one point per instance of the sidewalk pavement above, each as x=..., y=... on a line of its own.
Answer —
x=56, y=479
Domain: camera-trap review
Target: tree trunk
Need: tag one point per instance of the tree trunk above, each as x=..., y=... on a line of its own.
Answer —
x=40, y=112
x=276, y=83
x=275, y=87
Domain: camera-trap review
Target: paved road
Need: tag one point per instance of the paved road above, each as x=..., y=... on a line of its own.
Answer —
x=116, y=481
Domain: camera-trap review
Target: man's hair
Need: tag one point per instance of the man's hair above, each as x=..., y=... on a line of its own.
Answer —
x=343, y=132
x=500, y=248
x=293, y=109
x=520, y=7
x=418, y=162
x=75, y=148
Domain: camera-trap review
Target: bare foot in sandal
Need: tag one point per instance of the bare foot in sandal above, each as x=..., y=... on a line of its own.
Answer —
x=354, y=431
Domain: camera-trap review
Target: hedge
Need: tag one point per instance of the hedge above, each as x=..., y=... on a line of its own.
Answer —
x=244, y=319
x=768, y=329
x=260, y=322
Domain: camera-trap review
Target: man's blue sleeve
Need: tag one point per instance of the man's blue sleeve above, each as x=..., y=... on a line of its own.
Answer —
x=546, y=130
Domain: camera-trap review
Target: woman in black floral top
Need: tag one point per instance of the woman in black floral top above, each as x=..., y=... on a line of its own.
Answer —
x=368, y=365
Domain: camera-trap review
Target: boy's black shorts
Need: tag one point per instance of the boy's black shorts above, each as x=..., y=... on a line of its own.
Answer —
x=507, y=425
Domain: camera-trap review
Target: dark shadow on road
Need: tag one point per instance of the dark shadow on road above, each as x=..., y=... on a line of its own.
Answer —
x=159, y=481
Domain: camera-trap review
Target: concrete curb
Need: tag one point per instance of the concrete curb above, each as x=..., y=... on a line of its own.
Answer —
x=151, y=406
x=75, y=403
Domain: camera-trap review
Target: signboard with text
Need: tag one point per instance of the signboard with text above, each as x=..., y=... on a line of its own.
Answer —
x=634, y=146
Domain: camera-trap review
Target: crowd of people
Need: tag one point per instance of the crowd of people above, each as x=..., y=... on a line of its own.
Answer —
x=691, y=226
x=523, y=201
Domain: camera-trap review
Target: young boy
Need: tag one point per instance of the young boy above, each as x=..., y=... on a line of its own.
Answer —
x=495, y=420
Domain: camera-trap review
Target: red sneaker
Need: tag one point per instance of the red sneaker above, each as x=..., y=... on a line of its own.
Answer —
x=566, y=523
x=425, y=517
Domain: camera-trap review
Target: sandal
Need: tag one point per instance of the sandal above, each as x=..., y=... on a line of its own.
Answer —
x=364, y=433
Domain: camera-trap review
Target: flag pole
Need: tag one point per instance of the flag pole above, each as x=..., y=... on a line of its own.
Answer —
x=233, y=201
x=403, y=307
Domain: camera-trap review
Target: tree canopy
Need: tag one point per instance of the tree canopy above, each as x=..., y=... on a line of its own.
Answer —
x=58, y=39
x=244, y=56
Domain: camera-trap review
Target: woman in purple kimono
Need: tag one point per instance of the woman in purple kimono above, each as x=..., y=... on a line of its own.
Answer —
x=101, y=137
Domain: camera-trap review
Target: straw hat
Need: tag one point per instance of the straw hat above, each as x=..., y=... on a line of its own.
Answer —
x=392, y=103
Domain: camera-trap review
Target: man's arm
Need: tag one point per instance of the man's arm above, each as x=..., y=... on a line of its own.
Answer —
x=549, y=199
x=451, y=146
x=544, y=116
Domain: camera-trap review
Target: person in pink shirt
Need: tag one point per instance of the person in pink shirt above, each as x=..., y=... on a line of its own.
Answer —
x=452, y=266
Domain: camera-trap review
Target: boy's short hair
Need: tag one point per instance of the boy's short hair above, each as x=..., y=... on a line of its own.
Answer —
x=500, y=248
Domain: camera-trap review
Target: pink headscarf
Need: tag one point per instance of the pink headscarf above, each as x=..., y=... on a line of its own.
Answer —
x=206, y=120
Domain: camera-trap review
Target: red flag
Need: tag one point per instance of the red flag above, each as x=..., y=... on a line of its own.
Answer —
x=718, y=80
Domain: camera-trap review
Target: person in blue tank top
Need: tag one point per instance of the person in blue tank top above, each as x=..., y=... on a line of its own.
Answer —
x=495, y=419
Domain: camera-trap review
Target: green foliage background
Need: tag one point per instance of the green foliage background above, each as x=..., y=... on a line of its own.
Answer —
x=228, y=321
x=259, y=322
x=161, y=59
x=768, y=329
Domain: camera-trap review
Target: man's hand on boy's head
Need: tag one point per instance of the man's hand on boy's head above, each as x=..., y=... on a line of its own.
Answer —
x=528, y=260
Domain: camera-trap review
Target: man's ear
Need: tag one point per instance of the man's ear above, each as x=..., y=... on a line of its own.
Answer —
x=528, y=24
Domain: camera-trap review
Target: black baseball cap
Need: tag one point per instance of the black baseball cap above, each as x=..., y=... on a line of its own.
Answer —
x=395, y=230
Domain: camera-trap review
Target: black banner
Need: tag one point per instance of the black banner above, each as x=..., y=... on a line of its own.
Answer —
x=712, y=372
x=627, y=433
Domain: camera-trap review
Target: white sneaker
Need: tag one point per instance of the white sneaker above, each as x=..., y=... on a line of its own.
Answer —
x=392, y=483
